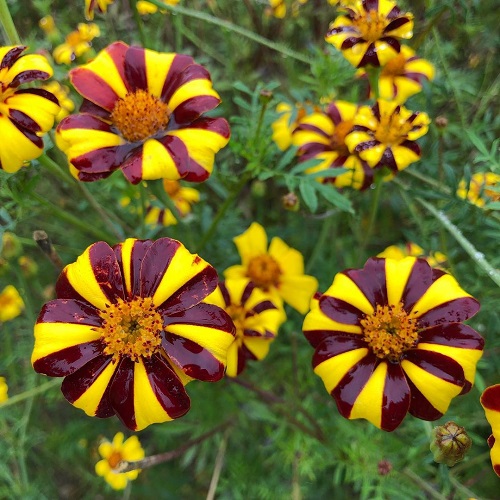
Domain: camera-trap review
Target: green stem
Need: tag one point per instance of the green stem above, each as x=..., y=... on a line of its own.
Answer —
x=138, y=22
x=323, y=237
x=373, y=77
x=30, y=393
x=220, y=23
x=8, y=24
x=373, y=214
x=71, y=219
x=423, y=485
x=475, y=255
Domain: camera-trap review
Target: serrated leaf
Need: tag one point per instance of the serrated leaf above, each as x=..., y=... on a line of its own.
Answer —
x=287, y=158
x=242, y=103
x=309, y=195
x=242, y=88
x=337, y=199
x=329, y=172
x=303, y=166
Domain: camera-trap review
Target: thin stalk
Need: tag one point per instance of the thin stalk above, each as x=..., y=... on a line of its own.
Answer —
x=373, y=215
x=219, y=462
x=12, y=36
x=323, y=237
x=373, y=77
x=221, y=23
x=138, y=22
x=422, y=484
x=30, y=393
x=475, y=255
x=178, y=23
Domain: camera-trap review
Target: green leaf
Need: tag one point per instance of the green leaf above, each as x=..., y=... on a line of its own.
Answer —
x=337, y=199
x=287, y=158
x=309, y=194
x=304, y=165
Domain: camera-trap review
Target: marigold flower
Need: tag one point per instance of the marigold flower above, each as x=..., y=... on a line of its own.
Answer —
x=255, y=316
x=92, y=5
x=129, y=321
x=368, y=33
x=76, y=44
x=479, y=191
x=384, y=135
x=142, y=113
x=145, y=8
x=399, y=252
x=490, y=401
x=182, y=197
x=4, y=388
x=285, y=124
x=403, y=75
x=62, y=94
x=113, y=453
x=389, y=339
x=11, y=304
x=321, y=135
x=278, y=270
x=26, y=114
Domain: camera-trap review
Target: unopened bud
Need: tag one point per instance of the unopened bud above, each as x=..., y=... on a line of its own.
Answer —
x=265, y=96
x=384, y=467
x=441, y=121
x=11, y=246
x=258, y=188
x=450, y=443
x=291, y=202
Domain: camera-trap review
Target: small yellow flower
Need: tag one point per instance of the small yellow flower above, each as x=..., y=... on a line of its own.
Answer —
x=62, y=94
x=92, y=5
x=277, y=8
x=112, y=454
x=144, y=8
x=399, y=252
x=76, y=44
x=11, y=304
x=3, y=390
x=479, y=191
x=278, y=270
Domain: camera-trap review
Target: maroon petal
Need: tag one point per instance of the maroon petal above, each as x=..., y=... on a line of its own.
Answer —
x=84, y=121
x=370, y=56
x=179, y=63
x=340, y=311
x=103, y=160
x=132, y=167
x=28, y=76
x=200, y=314
x=11, y=56
x=135, y=69
x=178, y=152
x=452, y=335
x=421, y=278
x=69, y=311
x=336, y=344
x=121, y=392
x=371, y=281
x=396, y=398
x=191, y=109
x=420, y=406
x=450, y=312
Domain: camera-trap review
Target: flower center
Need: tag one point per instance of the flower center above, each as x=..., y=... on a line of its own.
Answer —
x=171, y=187
x=238, y=315
x=338, y=137
x=395, y=67
x=114, y=459
x=389, y=331
x=140, y=115
x=131, y=328
x=371, y=25
x=392, y=129
x=264, y=271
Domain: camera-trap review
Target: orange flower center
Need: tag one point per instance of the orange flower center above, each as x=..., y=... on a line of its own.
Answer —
x=114, y=459
x=238, y=315
x=370, y=25
x=392, y=129
x=264, y=271
x=395, y=67
x=171, y=187
x=131, y=328
x=389, y=331
x=140, y=115
x=338, y=137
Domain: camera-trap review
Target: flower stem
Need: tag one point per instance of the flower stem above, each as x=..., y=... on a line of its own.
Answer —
x=423, y=485
x=9, y=27
x=30, y=393
x=475, y=255
x=219, y=462
x=222, y=24
x=138, y=22
x=373, y=214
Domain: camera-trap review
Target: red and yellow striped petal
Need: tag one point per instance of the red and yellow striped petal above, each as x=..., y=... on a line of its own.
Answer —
x=490, y=401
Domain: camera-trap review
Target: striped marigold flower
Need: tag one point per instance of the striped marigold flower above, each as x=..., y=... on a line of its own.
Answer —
x=93, y=5
x=389, y=340
x=128, y=330
x=384, y=135
x=490, y=400
x=255, y=316
x=142, y=113
x=321, y=135
x=482, y=189
x=369, y=31
x=26, y=114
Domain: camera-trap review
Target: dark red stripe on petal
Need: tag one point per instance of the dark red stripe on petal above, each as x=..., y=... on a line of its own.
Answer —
x=362, y=146
x=37, y=141
x=135, y=69
x=77, y=383
x=117, y=51
x=368, y=176
x=84, y=121
x=86, y=177
x=67, y=361
x=420, y=407
x=192, y=359
x=106, y=271
x=179, y=63
x=103, y=160
x=453, y=311
x=369, y=5
x=396, y=23
x=11, y=56
x=202, y=315
x=370, y=56
x=315, y=337
x=350, y=42
x=39, y=92
x=193, y=108
x=388, y=160
x=353, y=382
x=452, y=335
x=421, y=278
x=371, y=281
x=266, y=334
x=132, y=167
x=69, y=311
x=340, y=310
x=225, y=293
x=265, y=305
x=93, y=109
x=490, y=398
x=412, y=146
x=334, y=345
x=121, y=392
x=167, y=387
x=93, y=88
x=334, y=113
x=28, y=76
x=65, y=290
x=396, y=398
x=247, y=292
x=178, y=152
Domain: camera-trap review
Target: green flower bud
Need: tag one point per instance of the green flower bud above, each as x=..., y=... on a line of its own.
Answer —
x=11, y=246
x=291, y=202
x=450, y=443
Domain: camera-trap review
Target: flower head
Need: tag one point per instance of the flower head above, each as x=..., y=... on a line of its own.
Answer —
x=76, y=44
x=403, y=75
x=255, y=317
x=399, y=252
x=4, y=388
x=11, y=304
x=369, y=31
x=384, y=135
x=129, y=321
x=183, y=198
x=145, y=8
x=286, y=123
x=92, y=5
x=389, y=340
x=25, y=114
x=113, y=453
x=142, y=113
x=321, y=135
x=278, y=270
x=479, y=191
x=490, y=401
x=62, y=94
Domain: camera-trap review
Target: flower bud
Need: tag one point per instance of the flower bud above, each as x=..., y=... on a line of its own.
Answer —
x=11, y=246
x=258, y=188
x=450, y=443
x=28, y=266
x=441, y=121
x=265, y=96
x=290, y=202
